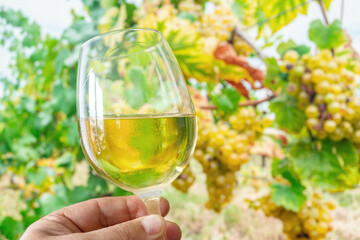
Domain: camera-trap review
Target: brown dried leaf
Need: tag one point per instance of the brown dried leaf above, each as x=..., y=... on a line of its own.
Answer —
x=227, y=53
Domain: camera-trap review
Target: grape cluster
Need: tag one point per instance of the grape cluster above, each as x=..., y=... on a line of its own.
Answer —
x=190, y=6
x=185, y=180
x=325, y=91
x=218, y=23
x=312, y=222
x=222, y=148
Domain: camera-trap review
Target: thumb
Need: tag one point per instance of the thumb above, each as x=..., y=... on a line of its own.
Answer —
x=151, y=227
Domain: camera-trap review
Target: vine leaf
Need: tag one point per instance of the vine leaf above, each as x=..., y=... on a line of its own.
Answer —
x=326, y=164
x=273, y=77
x=227, y=100
x=280, y=13
x=288, y=115
x=290, y=196
x=271, y=15
x=11, y=228
x=323, y=36
x=226, y=52
x=291, y=45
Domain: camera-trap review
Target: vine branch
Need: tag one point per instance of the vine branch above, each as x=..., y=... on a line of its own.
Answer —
x=323, y=10
x=239, y=32
x=326, y=19
x=243, y=104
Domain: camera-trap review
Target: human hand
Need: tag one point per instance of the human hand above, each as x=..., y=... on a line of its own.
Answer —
x=105, y=218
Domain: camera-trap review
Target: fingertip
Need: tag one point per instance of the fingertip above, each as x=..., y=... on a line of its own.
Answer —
x=173, y=231
x=140, y=205
x=164, y=206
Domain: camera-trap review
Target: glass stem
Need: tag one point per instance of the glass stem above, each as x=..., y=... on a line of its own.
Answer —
x=153, y=205
x=151, y=199
x=152, y=202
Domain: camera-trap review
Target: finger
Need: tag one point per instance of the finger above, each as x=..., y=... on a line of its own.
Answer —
x=164, y=206
x=104, y=212
x=173, y=231
x=151, y=227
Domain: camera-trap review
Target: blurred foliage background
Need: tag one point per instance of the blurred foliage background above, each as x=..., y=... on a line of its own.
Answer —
x=41, y=161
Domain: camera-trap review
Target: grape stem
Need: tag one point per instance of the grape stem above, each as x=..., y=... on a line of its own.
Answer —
x=323, y=10
x=326, y=19
x=243, y=104
x=239, y=32
x=310, y=134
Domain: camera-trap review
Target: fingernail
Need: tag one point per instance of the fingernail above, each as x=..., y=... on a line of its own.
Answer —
x=152, y=224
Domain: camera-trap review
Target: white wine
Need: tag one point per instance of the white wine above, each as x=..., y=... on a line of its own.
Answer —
x=139, y=151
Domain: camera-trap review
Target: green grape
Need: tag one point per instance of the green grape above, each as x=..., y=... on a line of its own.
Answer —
x=326, y=54
x=311, y=123
x=185, y=180
x=312, y=111
x=311, y=222
x=292, y=89
x=356, y=136
x=336, y=89
x=306, y=79
x=319, y=99
x=336, y=135
x=317, y=75
x=337, y=118
x=332, y=66
x=291, y=56
x=329, y=98
x=329, y=126
x=322, y=87
x=334, y=107
x=221, y=150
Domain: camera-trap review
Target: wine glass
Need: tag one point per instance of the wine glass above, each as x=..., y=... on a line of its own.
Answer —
x=136, y=119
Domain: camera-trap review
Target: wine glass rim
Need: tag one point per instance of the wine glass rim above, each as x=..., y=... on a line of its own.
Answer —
x=97, y=37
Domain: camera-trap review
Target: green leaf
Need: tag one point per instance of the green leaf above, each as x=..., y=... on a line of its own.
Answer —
x=291, y=45
x=290, y=196
x=326, y=164
x=187, y=15
x=38, y=175
x=227, y=100
x=273, y=77
x=43, y=120
x=323, y=36
x=14, y=18
x=78, y=194
x=66, y=161
x=137, y=95
x=108, y=3
x=279, y=13
x=80, y=31
x=238, y=8
x=11, y=228
x=96, y=184
x=52, y=202
x=164, y=97
x=288, y=115
x=64, y=99
x=327, y=3
x=130, y=9
x=121, y=192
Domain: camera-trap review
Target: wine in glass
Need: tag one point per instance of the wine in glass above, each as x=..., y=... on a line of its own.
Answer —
x=136, y=119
